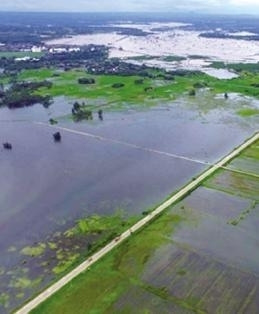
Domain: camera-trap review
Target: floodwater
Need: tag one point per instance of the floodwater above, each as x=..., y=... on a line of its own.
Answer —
x=215, y=235
x=46, y=186
x=220, y=73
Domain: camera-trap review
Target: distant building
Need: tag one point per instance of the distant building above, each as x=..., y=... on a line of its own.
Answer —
x=26, y=58
x=75, y=49
x=37, y=49
x=57, y=50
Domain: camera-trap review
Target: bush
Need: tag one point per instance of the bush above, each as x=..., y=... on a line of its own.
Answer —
x=85, y=80
x=192, y=92
x=118, y=85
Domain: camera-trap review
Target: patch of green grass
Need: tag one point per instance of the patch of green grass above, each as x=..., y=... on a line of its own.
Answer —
x=98, y=224
x=4, y=300
x=248, y=112
x=36, y=75
x=181, y=272
x=151, y=92
x=34, y=250
x=66, y=263
x=194, y=57
x=142, y=58
x=20, y=54
x=25, y=283
x=173, y=58
x=109, y=278
x=234, y=183
x=190, y=303
x=239, y=67
x=252, y=151
x=102, y=94
x=52, y=245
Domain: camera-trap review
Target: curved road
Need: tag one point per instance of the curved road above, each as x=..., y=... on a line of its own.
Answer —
x=90, y=261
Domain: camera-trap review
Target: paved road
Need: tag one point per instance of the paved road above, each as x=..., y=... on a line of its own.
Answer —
x=90, y=261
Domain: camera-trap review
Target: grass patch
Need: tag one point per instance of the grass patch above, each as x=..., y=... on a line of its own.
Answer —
x=34, y=250
x=234, y=183
x=20, y=54
x=65, y=264
x=248, y=112
x=25, y=283
x=4, y=300
x=173, y=58
x=102, y=95
x=114, y=274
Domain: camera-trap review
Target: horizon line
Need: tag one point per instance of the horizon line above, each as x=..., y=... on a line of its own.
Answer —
x=133, y=12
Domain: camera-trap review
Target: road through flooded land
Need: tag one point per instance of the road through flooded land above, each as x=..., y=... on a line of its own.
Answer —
x=131, y=161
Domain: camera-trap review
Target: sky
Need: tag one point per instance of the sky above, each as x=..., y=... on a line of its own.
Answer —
x=212, y=6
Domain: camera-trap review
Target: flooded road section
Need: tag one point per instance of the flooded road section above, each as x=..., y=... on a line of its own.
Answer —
x=47, y=186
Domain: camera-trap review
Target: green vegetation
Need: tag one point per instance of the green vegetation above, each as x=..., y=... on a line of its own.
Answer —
x=24, y=283
x=98, y=224
x=244, y=183
x=53, y=121
x=238, y=67
x=34, y=250
x=247, y=161
x=115, y=274
x=65, y=263
x=143, y=58
x=194, y=57
x=138, y=269
x=248, y=112
x=36, y=75
x=68, y=249
x=4, y=300
x=173, y=58
x=20, y=54
x=234, y=183
x=137, y=91
x=24, y=94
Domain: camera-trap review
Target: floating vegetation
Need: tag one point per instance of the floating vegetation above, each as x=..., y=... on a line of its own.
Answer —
x=65, y=264
x=19, y=295
x=34, y=250
x=4, y=300
x=98, y=224
x=52, y=245
x=248, y=112
x=25, y=283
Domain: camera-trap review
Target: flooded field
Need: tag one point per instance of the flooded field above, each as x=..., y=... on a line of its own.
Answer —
x=141, y=158
x=200, y=256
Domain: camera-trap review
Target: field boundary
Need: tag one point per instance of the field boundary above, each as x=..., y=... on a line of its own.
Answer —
x=43, y=296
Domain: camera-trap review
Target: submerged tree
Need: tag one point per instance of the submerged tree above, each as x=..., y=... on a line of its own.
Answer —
x=7, y=146
x=57, y=137
x=100, y=114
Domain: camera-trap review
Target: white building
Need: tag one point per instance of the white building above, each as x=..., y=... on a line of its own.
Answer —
x=57, y=50
x=75, y=49
x=36, y=49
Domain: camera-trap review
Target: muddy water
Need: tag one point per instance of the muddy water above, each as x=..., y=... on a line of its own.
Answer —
x=46, y=186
